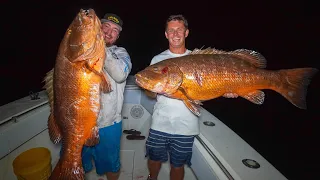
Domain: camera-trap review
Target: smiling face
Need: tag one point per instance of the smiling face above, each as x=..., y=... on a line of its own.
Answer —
x=176, y=33
x=111, y=33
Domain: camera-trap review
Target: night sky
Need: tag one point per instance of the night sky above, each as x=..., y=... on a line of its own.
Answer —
x=286, y=33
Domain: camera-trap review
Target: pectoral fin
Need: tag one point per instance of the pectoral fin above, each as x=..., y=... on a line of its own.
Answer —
x=105, y=84
x=94, y=138
x=192, y=107
x=187, y=96
x=256, y=97
x=54, y=130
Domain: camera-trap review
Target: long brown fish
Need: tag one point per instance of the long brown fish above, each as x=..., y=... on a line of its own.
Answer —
x=74, y=87
x=207, y=74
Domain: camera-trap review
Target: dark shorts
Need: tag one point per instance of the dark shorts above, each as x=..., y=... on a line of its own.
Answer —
x=106, y=154
x=179, y=147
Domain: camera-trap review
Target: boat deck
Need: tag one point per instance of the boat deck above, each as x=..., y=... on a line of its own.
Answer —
x=134, y=163
x=218, y=152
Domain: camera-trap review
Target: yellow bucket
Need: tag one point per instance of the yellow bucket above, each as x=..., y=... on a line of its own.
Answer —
x=33, y=164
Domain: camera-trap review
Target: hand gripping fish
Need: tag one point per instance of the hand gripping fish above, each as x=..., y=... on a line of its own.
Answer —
x=74, y=87
x=210, y=73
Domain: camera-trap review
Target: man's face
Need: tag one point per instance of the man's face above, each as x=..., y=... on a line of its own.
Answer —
x=111, y=33
x=176, y=33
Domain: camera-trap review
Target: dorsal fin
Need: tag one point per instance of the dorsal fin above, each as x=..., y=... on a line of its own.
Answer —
x=250, y=56
x=49, y=86
x=53, y=127
x=208, y=50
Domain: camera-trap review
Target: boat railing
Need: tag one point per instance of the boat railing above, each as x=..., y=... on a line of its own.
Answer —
x=214, y=157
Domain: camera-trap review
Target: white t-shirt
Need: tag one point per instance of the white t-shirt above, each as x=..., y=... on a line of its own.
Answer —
x=171, y=115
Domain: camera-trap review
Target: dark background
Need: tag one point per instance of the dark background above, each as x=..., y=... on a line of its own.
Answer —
x=285, y=32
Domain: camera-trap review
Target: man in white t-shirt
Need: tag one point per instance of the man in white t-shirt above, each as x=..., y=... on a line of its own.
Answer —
x=173, y=125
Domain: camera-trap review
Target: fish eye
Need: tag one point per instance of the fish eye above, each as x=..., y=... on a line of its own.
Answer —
x=155, y=68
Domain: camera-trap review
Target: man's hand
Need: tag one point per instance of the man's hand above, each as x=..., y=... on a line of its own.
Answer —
x=230, y=95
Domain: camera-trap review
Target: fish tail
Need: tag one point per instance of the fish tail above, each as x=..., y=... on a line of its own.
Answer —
x=294, y=85
x=69, y=166
x=64, y=171
x=56, y=171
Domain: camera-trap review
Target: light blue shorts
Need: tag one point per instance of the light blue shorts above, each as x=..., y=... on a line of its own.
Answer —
x=106, y=154
x=179, y=147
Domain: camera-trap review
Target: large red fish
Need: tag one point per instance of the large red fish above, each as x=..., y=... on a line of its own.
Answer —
x=207, y=74
x=74, y=87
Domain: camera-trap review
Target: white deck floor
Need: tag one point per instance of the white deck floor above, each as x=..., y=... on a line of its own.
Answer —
x=134, y=163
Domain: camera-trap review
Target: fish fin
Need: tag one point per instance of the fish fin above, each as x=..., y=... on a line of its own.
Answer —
x=208, y=50
x=150, y=94
x=54, y=130
x=67, y=170
x=294, y=85
x=181, y=89
x=48, y=79
x=252, y=57
x=230, y=95
x=192, y=107
x=191, y=104
x=105, y=84
x=256, y=97
x=198, y=102
x=94, y=137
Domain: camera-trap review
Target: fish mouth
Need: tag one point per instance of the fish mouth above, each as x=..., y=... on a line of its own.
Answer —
x=88, y=12
x=85, y=17
x=141, y=81
x=138, y=77
x=84, y=32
